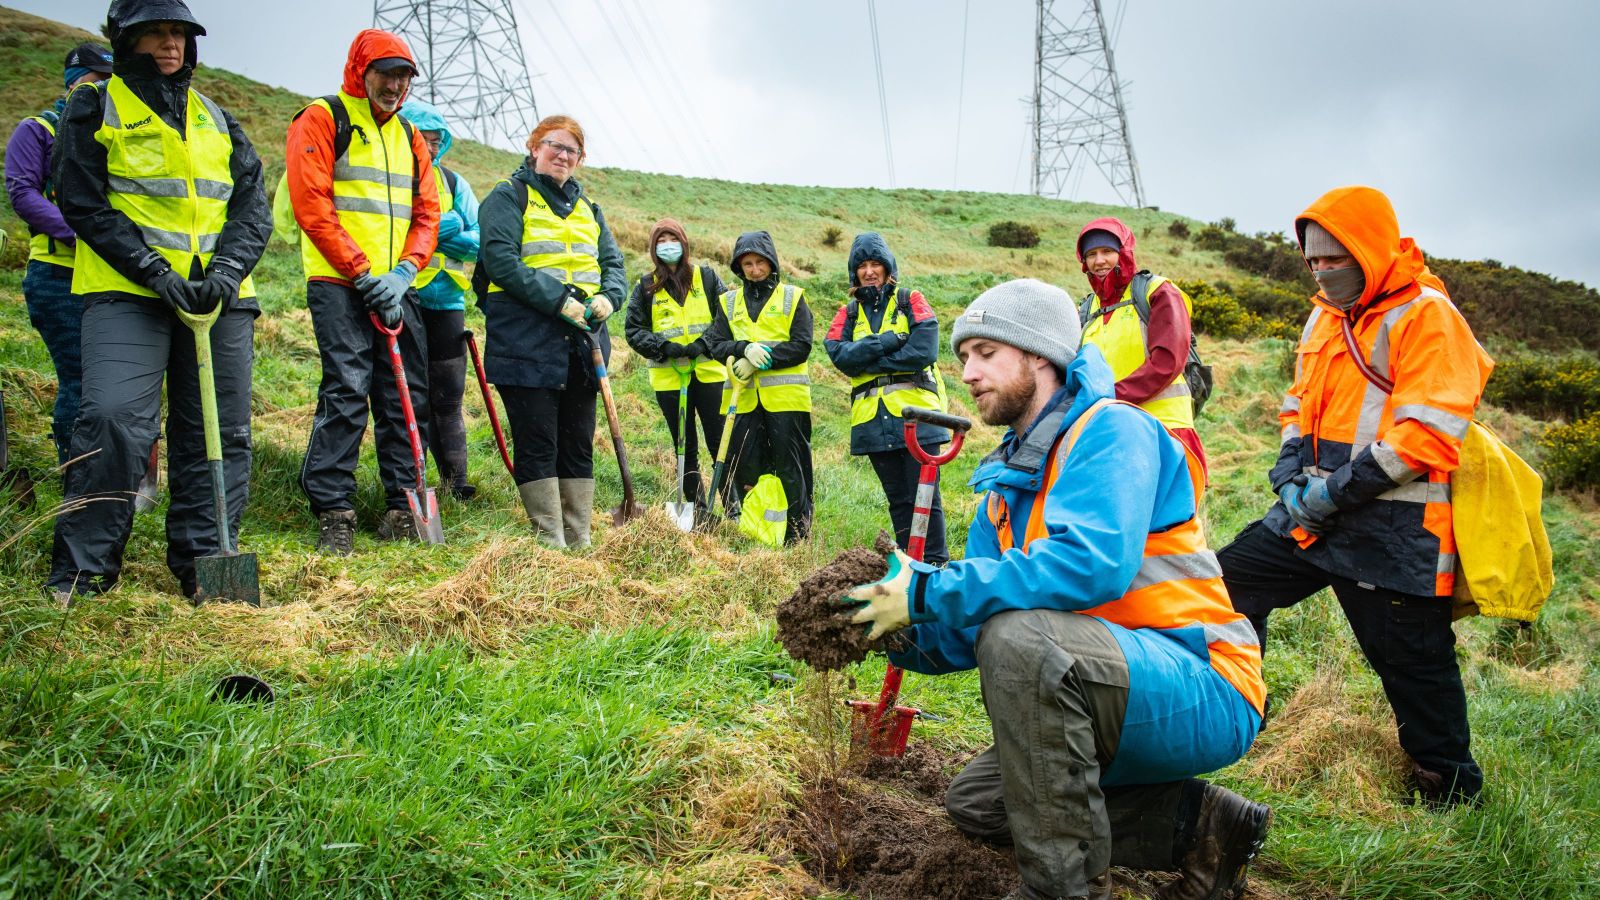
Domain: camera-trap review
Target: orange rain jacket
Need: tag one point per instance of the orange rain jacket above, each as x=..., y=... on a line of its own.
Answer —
x=310, y=159
x=1387, y=457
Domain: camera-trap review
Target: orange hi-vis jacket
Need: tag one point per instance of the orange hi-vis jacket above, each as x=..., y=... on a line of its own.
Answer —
x=1387, y=456
x=1179, y=581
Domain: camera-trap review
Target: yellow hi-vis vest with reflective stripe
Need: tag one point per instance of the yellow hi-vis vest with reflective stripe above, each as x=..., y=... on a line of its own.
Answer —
x=174, y=187
x=456, y=269
x=374, y=185
x=777, y=390
x=896, y=391
x=42, y=247
x=1124, y=343
x=567, y=250
x=683, y=323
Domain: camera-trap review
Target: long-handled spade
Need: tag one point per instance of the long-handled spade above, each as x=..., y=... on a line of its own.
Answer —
x=488, y=401
x=630, y=509
x=421, y=500
x=882, y=726
x=227, y=574
x=719, y=469
x=682, y=513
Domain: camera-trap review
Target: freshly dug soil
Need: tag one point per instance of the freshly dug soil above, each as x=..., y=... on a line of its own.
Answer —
x=922, y=770
x=813, y=629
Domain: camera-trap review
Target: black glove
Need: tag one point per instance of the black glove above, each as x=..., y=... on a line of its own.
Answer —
x=697, y=347
x=221, y=286
x=674, y=350
x=892, y=341
x=175, y=290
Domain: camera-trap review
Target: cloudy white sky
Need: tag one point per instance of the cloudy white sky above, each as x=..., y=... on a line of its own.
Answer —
x=1481, y=120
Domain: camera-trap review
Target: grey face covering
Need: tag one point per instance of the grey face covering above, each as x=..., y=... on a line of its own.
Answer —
x=1342, y=287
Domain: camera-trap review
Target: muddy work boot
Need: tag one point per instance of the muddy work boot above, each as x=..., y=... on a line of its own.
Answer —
x=577, y=511
x=542, y=501
x=336, y=532
x=1228, y=834
x=1099, y=889
x=397, y=525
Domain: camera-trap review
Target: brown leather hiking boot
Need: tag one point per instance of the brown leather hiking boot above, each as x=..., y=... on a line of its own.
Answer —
x=336, y=532
x=397, y=525
x=1099, y=889
x=1228, y=835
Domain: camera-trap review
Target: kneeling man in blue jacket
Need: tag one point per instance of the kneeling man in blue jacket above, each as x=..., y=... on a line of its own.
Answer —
x=1114, y=669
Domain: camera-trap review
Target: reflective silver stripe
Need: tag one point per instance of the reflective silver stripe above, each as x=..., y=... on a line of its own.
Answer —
x=778, y=380
x=1392, y=465
x=670, y=333
x=775, y=515
x=788, y=299
x=731, y=298
x=1176, y=567
x=924, y=498
x=532, y=248
x=108, y=110
x=585, y=249
x=380, y=207
x=1372, y=402
x=454, y=265
x=1290, y=432
x=919, y=522
x=148, y=187
x=213, y=190
x=1419, y=491
x=1179, y=388
x=176, y=240
x=371, y=174
x=880, y=390
x=1239, y=632
x=1435, y=418
x=585, y=277
x=1446, y=564
x=1305, y=335
x=1380, y=346
x=1291, y=403
x=671, y=364
x=700, y=328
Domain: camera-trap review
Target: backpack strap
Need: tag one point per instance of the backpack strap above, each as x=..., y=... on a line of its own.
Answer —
x=1366, y=369
x=342, y=129
x=1141, y=294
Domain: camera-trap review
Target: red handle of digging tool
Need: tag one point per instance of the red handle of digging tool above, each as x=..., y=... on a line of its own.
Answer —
x=399, y=365
x=887, y=723
x=488, y=401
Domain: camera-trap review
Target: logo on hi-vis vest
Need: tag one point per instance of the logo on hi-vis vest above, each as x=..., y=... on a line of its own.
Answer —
x=202, y=119
x=139, y=124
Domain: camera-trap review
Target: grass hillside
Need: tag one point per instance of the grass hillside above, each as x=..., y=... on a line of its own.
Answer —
x=492, y=718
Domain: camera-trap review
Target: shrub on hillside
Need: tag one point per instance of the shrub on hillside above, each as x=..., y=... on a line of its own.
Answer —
x=831, y=235
x=1179, y=229
x=1572, y=453
x=1016, y=235
x=1568, y=387
x=1220, y=313
x=1525, y=306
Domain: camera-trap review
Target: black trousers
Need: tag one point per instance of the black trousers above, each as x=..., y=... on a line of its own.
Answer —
x=552, y=431
x=778, y=443
x=357, y=376
x=705, y=404
x=1407, y=640
x=447, y=379
x=129, y=347
x=899, y=473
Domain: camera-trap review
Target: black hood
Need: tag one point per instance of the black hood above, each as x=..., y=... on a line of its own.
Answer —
x=120, y=22
x=871, y=245
x=757, y=242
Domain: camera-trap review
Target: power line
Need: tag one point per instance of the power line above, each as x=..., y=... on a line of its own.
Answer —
x=883, y=97
x=678, y=93
x=669, y=126
x=961, y=92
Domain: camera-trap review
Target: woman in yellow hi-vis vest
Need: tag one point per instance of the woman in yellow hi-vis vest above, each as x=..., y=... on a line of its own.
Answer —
x=1146, y=357
x=164, y=192
x=669, y=314
x=768, y=331
x=549, y=273
x=886, y=340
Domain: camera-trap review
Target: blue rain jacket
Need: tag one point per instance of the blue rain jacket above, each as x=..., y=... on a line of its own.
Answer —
x=458, y=228
x=1125, y=478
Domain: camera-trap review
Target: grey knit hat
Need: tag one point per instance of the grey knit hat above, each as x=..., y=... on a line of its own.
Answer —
x=1027, y=314
x=1319, y=241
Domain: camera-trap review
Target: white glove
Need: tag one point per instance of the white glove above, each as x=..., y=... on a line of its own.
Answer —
x=758, y=355
x=743, y=369
x=599, y=308
x=573, y=311
x=888, y=600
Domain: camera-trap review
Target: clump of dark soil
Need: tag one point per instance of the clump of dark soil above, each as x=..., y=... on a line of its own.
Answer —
x=922, y=770
x=857, y=837
x=812, y=627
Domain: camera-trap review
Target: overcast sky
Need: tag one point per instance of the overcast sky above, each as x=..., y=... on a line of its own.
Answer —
x=1480, y=120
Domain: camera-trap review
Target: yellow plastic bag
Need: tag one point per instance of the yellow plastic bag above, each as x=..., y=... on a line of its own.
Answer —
x=1503, y=564
x=764, y=515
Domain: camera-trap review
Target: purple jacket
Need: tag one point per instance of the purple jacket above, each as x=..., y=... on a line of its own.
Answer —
x=27, y=168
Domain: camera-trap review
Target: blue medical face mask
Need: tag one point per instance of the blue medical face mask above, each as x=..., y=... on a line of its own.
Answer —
x=669, y=252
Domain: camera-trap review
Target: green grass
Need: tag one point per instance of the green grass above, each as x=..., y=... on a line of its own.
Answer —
x=490, y=718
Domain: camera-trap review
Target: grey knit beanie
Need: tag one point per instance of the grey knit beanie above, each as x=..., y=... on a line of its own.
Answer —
x=1027, y=314
x=1320, y=242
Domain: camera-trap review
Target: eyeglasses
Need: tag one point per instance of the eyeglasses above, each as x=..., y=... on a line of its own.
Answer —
x=562, y=149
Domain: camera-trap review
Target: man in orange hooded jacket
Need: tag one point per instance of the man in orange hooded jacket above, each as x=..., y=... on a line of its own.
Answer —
x=365, y=198
x=1387, y=376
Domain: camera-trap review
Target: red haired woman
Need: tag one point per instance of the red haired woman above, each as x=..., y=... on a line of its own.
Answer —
x=554, y=274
